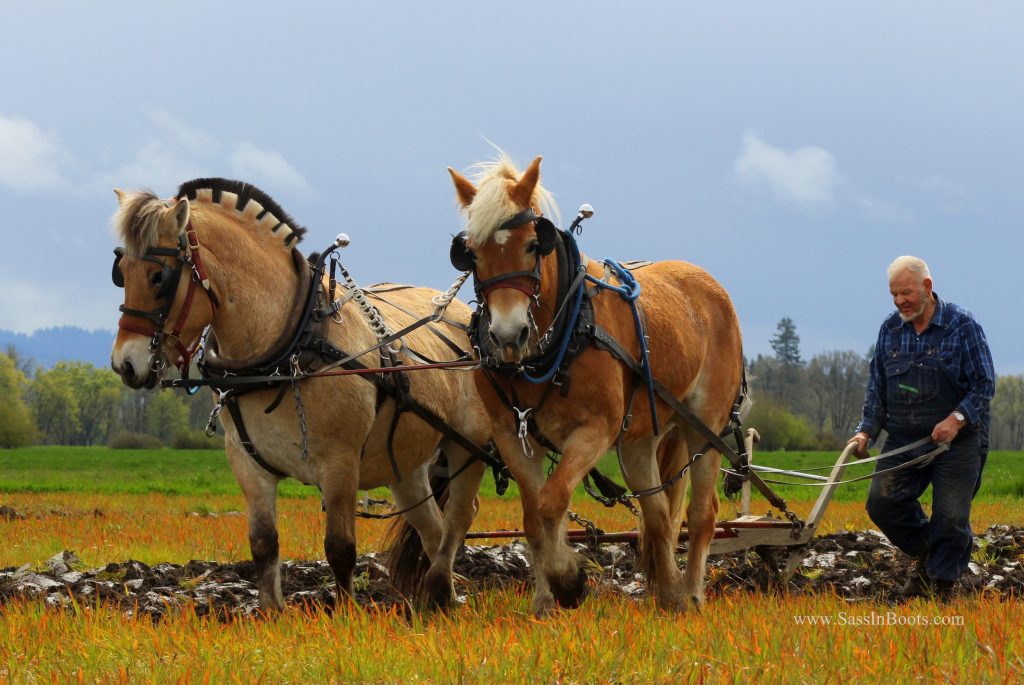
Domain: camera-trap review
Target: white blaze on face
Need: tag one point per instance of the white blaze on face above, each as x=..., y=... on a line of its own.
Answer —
x=510, y=323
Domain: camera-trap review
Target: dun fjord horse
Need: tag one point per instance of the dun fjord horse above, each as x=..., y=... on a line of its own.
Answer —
x=694, y=351
x=239, y=246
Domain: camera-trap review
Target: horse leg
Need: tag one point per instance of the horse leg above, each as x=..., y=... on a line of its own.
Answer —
x=701, y=516
x=529, y=477
x=424, y=515
x=558, y=563
x=260, y=490
x=340, y=486
x=459, y=511
x=660, y=524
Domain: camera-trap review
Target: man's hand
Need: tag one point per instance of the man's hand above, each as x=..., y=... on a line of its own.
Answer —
x=946, y=430
x=862, y=445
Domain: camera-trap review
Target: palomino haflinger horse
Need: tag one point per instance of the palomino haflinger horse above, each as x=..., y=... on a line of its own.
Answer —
x=577, y=388
x=248, y=282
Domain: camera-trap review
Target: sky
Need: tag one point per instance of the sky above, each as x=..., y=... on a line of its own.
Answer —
x=792, y=149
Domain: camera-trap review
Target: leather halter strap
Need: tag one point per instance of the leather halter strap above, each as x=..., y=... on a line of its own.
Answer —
x=186, y=254
x=526, y=282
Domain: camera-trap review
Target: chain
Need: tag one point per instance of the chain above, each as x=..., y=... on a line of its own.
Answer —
x=373, y=317
x=442, y=301
x=592, y=530
x=299, y=408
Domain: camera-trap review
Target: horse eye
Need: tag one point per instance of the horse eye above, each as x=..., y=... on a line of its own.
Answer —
x=531, y=248
x=157, y=277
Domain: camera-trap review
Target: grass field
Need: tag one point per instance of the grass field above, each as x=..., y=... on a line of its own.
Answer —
x=174, y=506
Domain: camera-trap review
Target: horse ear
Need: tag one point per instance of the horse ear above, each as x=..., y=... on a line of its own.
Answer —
x=180, y=211
x=121, y=196
x=461, y=256
x=545, y=231
x=465, y=190
x=522, y=192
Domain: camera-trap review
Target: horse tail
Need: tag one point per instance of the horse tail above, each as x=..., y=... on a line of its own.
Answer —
x=406, y=560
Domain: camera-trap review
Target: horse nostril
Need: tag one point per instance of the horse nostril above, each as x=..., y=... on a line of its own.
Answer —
x=128, y=371
x=524, y=335
x=493, y=338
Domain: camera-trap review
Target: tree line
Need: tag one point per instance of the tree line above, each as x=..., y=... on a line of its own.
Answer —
x=797, y=404
x=76, y=403
x=817, y=404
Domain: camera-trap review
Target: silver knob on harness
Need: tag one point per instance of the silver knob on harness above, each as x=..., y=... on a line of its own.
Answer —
x=342, y=240
x=586, y=211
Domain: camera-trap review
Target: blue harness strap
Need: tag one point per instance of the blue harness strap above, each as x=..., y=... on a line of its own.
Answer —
x=630, y=290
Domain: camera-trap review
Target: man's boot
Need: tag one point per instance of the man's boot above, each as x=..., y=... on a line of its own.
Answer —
x=943, y=590
x=917, y=583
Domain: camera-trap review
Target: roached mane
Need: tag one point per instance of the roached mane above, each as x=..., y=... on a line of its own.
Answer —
x=137, y=220
x=245, y=192
x=491, y=206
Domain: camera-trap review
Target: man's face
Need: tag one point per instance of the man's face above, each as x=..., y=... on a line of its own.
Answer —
x=910, y=294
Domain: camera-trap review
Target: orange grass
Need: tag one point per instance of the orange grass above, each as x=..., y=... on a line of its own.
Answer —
x=739, y=638
x=159, y=528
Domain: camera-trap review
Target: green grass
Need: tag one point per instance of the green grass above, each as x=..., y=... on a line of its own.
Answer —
x=101, y=470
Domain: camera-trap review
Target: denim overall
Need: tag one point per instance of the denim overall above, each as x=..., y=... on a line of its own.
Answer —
x=920, y=393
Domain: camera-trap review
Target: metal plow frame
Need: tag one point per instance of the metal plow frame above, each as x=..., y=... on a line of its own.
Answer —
x=769, y=535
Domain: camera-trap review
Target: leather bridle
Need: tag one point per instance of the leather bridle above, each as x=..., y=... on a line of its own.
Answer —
x=155, y=321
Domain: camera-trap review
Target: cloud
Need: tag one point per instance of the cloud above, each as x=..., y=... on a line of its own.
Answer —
x=30, y=158
x=174, y=154
x=806, y=175
x=268, y=169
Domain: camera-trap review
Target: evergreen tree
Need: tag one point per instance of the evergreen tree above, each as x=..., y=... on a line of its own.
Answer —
x=786, y=343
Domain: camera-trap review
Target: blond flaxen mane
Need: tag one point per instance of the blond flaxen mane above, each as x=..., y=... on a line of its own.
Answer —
x=492, y=205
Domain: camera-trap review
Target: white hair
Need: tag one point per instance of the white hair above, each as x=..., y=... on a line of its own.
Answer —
x=492, y=204
x=914, y=265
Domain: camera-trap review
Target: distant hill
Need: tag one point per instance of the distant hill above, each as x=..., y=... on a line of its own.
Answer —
x=47, y=346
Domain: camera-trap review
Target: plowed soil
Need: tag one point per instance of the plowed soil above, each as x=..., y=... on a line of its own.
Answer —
x=854, y=565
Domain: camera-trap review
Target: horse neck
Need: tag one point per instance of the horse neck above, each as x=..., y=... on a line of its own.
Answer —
x=257, y=285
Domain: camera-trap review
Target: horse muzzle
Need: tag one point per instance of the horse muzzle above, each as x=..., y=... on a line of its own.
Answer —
x=137, y=369
x=510, y=342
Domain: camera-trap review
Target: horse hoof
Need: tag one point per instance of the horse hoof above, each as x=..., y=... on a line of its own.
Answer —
x=570, y=592
x=438, y=591
x=543, y=606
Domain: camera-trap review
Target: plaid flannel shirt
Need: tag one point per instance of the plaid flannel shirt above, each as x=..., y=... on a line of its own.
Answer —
x=962, y=347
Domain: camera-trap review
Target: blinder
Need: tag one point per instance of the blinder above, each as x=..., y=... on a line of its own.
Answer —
x=169, y=277
x=460, y=255
x=115, y=272
x=545, y=235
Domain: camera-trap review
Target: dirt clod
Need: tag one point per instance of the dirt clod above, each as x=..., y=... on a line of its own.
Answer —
x=854, y=565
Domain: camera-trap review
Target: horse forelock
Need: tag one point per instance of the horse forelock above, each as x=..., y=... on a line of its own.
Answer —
x=248, y=201
x=137, y=221
x=492, y=204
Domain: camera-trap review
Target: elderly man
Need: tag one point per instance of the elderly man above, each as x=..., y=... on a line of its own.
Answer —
x=931, y=376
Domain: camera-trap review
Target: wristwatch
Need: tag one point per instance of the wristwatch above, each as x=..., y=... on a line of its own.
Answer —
x=959, y=417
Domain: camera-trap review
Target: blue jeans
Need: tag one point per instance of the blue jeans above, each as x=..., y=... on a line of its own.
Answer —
x=893, y=503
